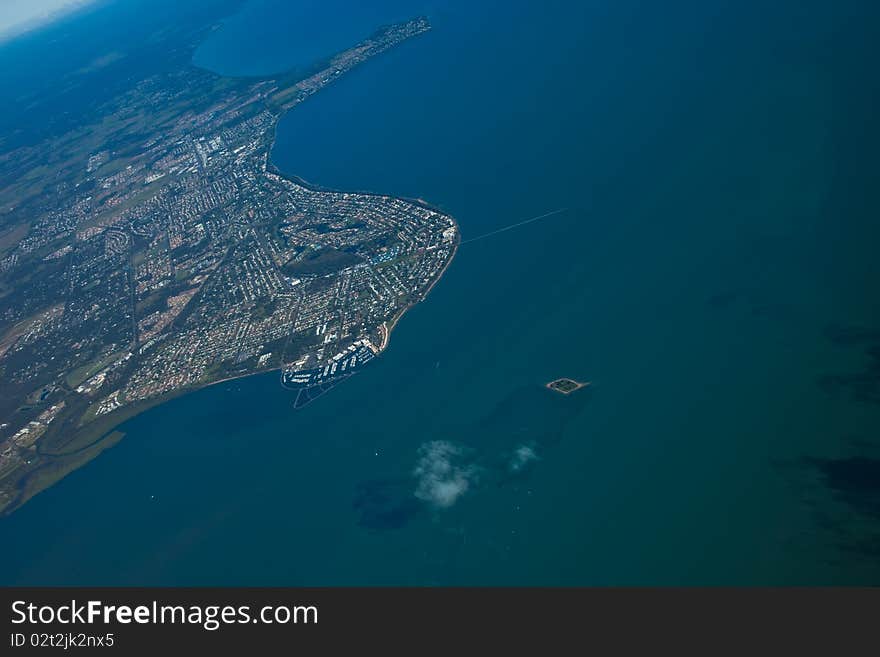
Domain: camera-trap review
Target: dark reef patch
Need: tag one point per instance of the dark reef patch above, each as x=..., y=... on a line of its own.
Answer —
x=853, y=519
x=861, y=386
x=844, y=335
x=854, y=480
x=842, y=496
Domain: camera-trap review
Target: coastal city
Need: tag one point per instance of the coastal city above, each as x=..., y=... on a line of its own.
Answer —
x=161, y=252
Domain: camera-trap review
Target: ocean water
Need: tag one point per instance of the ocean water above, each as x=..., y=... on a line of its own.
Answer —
x=713, y=274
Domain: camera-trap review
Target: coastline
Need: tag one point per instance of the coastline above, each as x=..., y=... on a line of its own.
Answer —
x=272, y=168
x=386, y=334
x=60, y=464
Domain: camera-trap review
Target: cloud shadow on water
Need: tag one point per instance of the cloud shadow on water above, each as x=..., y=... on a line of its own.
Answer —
x=385, y=504
x=502, y=448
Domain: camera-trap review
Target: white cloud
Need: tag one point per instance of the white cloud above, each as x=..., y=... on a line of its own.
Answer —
x=17, y=16
x=442, y=478
x=522, y=456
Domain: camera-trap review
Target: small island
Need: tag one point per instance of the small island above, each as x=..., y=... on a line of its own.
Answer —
x=566, y=386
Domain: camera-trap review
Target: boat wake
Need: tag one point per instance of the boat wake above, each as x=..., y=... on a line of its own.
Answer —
x=546, y=215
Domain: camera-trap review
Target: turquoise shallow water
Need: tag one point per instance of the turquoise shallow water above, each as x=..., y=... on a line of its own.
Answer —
x=717, y=250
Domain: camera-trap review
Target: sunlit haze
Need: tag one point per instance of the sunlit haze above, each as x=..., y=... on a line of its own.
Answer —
x=18, y=16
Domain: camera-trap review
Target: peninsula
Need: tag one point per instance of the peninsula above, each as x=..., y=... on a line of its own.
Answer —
x=156, y=250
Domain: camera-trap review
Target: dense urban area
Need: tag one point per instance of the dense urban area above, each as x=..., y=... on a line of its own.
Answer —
x=157, y=251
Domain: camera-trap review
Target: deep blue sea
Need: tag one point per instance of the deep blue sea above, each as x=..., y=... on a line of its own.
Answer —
x=714, y=274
